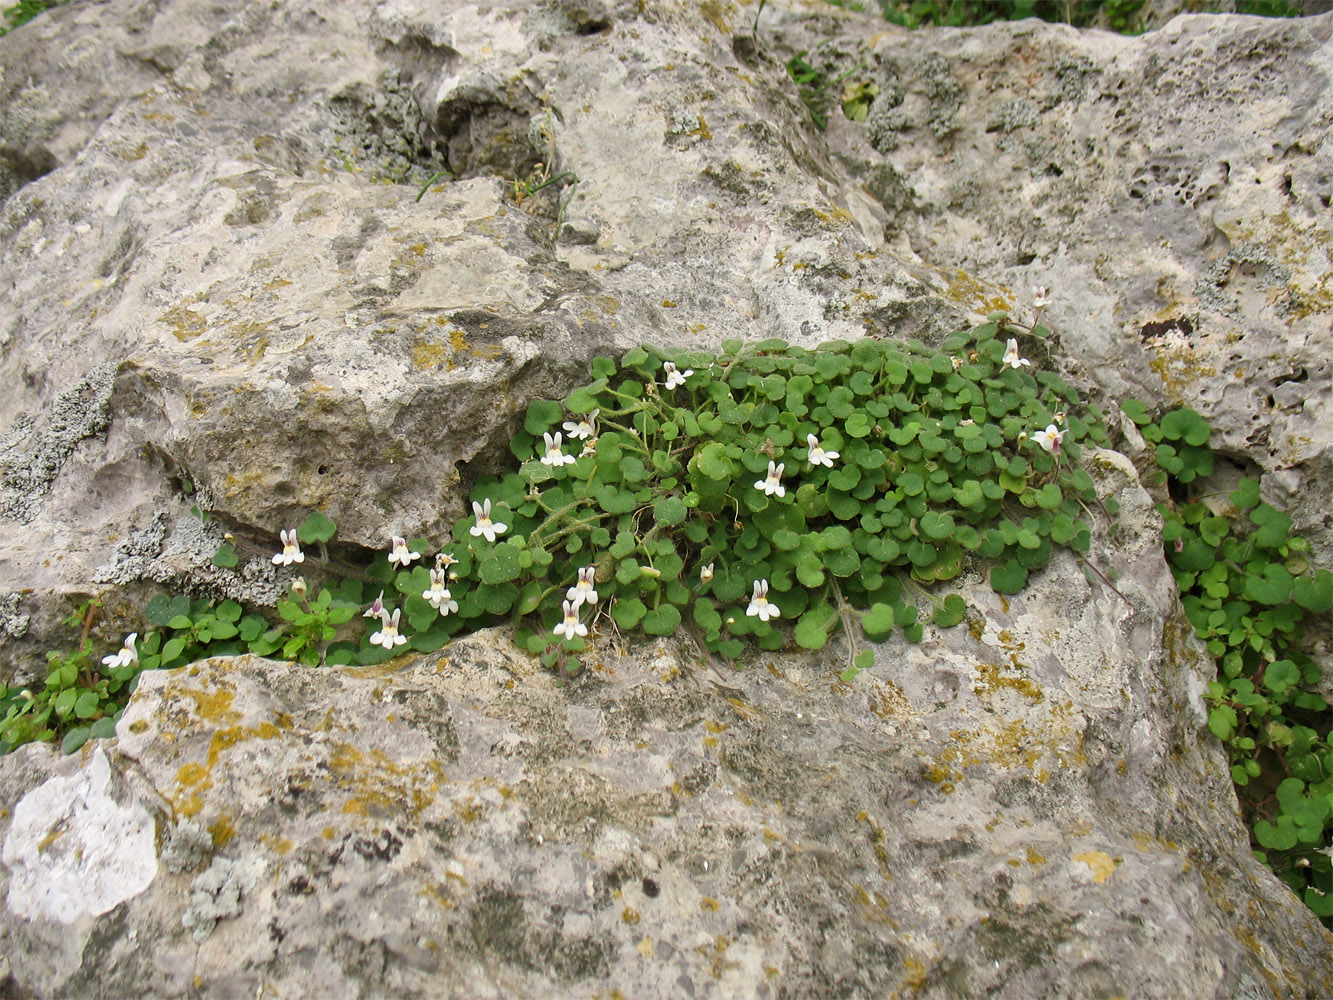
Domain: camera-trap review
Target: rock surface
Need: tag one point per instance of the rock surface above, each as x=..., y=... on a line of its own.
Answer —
x=223, y=292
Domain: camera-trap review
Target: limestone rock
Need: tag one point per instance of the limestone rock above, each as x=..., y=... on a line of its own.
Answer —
x=225, y=293
x=1171, y=190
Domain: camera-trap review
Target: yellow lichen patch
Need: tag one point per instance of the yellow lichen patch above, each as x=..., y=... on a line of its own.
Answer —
x=943, y=775
x=709, y=904
x=1180, y=370
x=994, y=677
x=225, y=739
x=702, y=131
x=891, y=704
x=645, y=947
x=428, y=354
x=668, y=304
x=379, y=786
x=213, y=706
x=222, y=830
x=629, y=915
x=191, y=774
x=185, y=324
x=280, y=845
x=968, y=291
x=915, y=975
x=1101, y=864
x=1034, y=858
x=715, y=727
x=716, y=14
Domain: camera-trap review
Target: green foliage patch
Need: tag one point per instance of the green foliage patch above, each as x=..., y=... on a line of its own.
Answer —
x=764, y=495
x=1248, y=587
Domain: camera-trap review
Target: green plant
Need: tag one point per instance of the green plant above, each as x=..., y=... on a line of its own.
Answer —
x=24, y=11
x=79, y=700
x=1247, y=586
x=817, y=90
x=906, y=464
x=833, y=489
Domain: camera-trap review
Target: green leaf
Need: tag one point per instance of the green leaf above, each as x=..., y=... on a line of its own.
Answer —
x=1273, y=526
x=878, y=621
x=1272, y=587
x=1136, y=411
x=813, y=627
x=542, y=414
x=225, y=556
x=1279, y=836
x=713, y=462
x=1009, y=578
x=669, y=510
x=180, y=622
x=315, y=528
x=951, y=612
x=1314, y=593
x=628, y=612
x=662, y=620
x=1247, y=494
x=158, y=611
x=74, y=739
x=1280, y=675
x=501, y=564
x=1222, y=721
x=935, y=525
x=614, y=500
x=104, y=728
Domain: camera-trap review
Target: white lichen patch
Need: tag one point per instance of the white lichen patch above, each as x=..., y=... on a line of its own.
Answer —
x=74, y=851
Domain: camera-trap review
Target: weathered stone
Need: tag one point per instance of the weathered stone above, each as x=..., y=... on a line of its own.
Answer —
x=225, y=293
x=1170, y=189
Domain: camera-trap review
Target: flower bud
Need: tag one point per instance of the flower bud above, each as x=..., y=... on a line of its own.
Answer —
x=706, y=573
x=299, y=587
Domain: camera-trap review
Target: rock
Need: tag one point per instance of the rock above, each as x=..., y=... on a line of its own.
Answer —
x=1170, y=189
x=276, y=258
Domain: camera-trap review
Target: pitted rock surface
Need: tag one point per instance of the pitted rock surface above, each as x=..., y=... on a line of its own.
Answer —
x=225, y=293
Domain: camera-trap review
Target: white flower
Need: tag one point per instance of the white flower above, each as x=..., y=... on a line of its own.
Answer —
x=400, y=555
x=818, y=456
x=1050, y=439
x=773, y=484
x=299, y=587
x=1011, y=357
x=485, y=526
x=554, y=456
x=1041, y=296
x=674, y=377
x=585, y=591
x=438, y=595
x=571, y=626
x=589, y=448
x=291, y=549
x=127, y=655
x=956, y=362
x=759, y=604
x=585, y=428
x=1059, y=416
x=706, y=573
x=443, y=560
x=376, y=609
x=388, y=636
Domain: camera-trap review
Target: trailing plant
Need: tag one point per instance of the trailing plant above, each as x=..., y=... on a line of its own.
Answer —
x=1247, y=586
x=833, y=489
x=80, y=698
